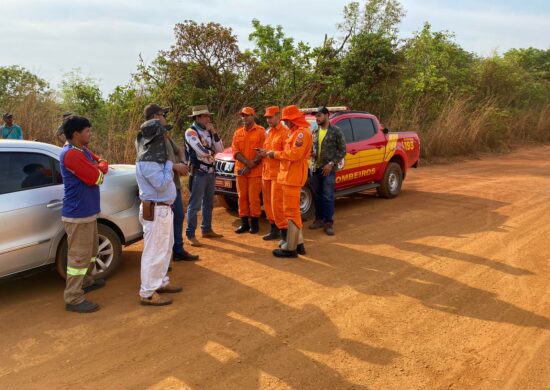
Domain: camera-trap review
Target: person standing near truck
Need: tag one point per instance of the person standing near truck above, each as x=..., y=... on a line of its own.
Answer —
x=272, y=191
x=292, y=175
x=202, y=142
x=10, y=130
x=247, y=140
x=329, y=149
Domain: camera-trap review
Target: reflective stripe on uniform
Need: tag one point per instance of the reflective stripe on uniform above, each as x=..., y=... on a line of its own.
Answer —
x=71, y=271
x=99, y=179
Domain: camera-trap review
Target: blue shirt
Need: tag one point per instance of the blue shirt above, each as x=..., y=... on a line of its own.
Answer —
x=79, y=199
x=156, y=181
x=13, y=132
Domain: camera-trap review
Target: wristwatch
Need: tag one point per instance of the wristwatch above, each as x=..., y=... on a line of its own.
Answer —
x=331, y=163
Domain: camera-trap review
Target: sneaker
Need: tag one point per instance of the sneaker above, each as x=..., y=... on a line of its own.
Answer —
x=212, y=234
x=194, y=242
x=97, y=284
x=169, y=289
x=185, y=256
x=329, y=230
x=318, y=224
x=83, y=307
x=155, y=300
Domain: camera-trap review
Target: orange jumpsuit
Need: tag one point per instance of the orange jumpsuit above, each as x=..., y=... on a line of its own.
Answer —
x=272, y=190
x=249, y=186
x=294, y=171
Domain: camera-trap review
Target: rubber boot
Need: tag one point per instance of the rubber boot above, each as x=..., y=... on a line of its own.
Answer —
x=254, y=225
x=274, y=234
x=245, y=227
x=283, y=237
x=289, y=248
x=301, y=249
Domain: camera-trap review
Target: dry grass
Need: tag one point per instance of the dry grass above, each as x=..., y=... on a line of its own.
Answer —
x=461, y=128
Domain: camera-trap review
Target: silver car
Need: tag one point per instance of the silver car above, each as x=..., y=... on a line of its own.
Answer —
x=31, y=198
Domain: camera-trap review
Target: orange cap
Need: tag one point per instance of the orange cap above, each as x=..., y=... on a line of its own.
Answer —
x=247, y=111
x=270, y=111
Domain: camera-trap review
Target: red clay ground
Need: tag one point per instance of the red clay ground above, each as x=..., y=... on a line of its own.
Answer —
x=446, y=286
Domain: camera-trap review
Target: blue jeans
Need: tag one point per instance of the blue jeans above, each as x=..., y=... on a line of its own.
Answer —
x=323, y=191
x=179, y=216
x=202, y=197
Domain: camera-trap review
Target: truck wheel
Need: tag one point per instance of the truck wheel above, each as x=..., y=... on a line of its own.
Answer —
x=307, y=205
x=109, y=256
x=229, y=202
x=391, y=184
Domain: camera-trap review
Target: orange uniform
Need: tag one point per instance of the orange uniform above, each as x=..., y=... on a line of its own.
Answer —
x=293, y=171
x=272, y=190
x=249, y=185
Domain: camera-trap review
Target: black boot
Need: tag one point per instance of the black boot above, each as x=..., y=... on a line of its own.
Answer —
x=301, y=249
x=254, y=225
x=274, y=234
x=245, y=227
x=284, y=253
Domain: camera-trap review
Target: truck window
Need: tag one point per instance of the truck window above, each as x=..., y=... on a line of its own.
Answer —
x=363, y=128
x=345, y=126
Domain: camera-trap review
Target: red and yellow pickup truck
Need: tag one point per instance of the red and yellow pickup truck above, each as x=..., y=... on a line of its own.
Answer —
x=376, y=159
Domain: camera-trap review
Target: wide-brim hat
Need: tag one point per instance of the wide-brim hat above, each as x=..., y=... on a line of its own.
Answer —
x=294, y=115
x=200, y=110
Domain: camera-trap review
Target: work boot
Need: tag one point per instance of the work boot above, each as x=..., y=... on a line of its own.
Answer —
x=284, y=253
x=194, y=242
x=289, y=248
x=300, y=248
x=245, y=227
x=155, y=300
x=97, y=284
x=83, y=307
x=169, y=289
x=254, y=225
x=274, y=234
x=317, y=224
x=329, y=229
x=185, y=256
x=283, y=237
x=212, y=234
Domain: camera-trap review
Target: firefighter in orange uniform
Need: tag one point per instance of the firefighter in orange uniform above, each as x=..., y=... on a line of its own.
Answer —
x=292, y=175
x=247, y=140
x=272, y=191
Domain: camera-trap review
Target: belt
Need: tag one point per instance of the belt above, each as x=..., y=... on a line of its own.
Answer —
x=162, y=204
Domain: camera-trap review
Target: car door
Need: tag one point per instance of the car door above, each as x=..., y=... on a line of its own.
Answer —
x=31, y=198
x=347, y=176
x=369, y=143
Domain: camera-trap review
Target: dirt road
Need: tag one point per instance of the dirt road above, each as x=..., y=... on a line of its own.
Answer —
x=446, y=286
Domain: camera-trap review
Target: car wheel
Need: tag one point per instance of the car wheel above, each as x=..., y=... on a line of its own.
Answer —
x=229, y=202
x=108, y=258
x=307, y=206
x=392, y=182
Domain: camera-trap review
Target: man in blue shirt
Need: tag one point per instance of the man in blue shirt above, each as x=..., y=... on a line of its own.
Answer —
x=157, y=191
x=9, y=130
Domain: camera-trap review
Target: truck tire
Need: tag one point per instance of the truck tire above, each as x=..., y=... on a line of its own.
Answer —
x=229, y=202
x=392, y=181
x=307, y=202
x=110, y=254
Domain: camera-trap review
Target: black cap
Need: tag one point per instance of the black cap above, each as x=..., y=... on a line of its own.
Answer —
x=152, y=109
x=7, y=115
x=67, y=114
x=322, y=110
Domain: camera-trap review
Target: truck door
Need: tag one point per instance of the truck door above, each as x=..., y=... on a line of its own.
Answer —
x=369, y=149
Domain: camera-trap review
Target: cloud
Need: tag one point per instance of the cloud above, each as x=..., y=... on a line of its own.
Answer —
x=105, y=37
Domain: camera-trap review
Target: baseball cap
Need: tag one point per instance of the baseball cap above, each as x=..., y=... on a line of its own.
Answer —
x=7, y=115
x=322, y=110
x=270, y=111
x=152, y=109
x=247, y=111
x=67, y=114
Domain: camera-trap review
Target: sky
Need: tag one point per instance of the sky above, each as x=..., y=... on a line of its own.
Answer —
x=104, y=38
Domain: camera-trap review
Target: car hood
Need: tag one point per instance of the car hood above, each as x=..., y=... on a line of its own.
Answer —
x=226, y=155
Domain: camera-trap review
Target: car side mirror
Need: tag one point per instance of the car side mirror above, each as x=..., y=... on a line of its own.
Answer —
x=385, y=130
